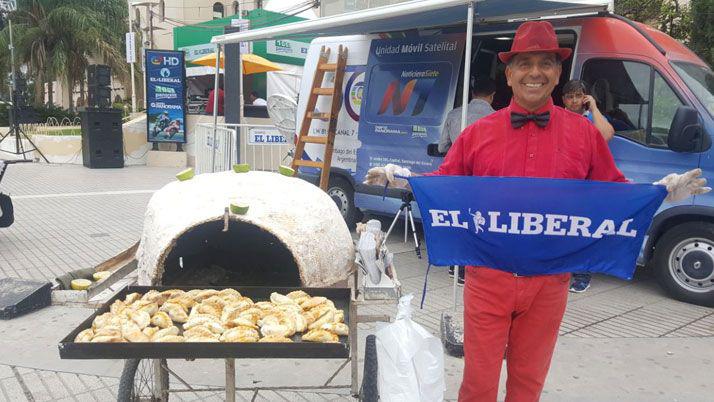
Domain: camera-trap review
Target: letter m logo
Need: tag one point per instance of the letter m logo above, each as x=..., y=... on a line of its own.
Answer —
x=399, y=98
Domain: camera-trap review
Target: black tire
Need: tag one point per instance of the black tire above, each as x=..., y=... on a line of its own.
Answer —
x=369, y=391
x=342, y=193
x=684, y=262
x=7, y=214
x=134, y=384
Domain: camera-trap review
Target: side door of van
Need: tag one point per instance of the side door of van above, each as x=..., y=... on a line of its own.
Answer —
x=640, y=101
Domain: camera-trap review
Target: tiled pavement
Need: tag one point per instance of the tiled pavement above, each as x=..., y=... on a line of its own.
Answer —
x=70, y=217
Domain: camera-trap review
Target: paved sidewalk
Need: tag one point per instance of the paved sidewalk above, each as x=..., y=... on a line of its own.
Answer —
x=619, y=341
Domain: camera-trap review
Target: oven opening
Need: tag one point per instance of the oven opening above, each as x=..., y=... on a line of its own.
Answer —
x=245, y=255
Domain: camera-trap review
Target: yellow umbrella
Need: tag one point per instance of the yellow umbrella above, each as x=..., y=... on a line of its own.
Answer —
x=252, y=63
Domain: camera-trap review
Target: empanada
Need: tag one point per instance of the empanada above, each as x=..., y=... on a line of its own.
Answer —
x=131, y=298
x=141, y=318
x=165, y=332
x=336, y=328
x=277, y=298
x=85, y=336
x=173, y=293
x=145, y=305
x=339, y=316
x=109, y=330
x=240, y=322
x=313, y=302
x=240, y=334
x=275, y=338
x=297, y=294
x=201, y=339
x=321, y=336
x=229, y=292
x=327, y=317
x=209, y=322
x=175, y=311
x=117, y=307
x=132, y=333
x=210, y=309
x=205, y=294
x=154, y=296
x=170, y=338
x=161, y=319
x=274, y=330
x=150, y=331
x=184, y=301
x=107, y=339
x=198, y=331
x=102, y=320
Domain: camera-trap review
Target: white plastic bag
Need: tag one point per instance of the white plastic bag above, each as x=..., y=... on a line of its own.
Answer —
x=411, y=360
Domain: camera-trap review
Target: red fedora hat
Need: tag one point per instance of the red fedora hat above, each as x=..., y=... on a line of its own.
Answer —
x=535, y=37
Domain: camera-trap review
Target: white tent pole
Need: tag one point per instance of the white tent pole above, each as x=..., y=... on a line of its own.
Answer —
x=215, y=106
x=465, y=102
x=467, y=64
x=241, y=101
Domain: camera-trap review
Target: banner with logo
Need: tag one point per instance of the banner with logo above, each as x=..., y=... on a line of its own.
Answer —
x=165, y=96
x=535, y=226
x=410, y=87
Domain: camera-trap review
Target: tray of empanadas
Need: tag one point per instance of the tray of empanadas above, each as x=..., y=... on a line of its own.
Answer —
x=220, y=322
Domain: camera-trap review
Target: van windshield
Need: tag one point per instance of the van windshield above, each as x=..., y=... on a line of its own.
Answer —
x=700, y=80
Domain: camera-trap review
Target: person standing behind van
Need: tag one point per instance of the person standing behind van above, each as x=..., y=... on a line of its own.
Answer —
x=576, y=100
x=482, y=92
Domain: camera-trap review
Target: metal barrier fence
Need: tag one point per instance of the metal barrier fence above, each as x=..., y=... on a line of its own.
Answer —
x=214, y=154
x=261, y=146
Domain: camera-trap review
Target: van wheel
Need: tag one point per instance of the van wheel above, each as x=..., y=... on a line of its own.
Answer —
x=342, y=193
x=684, y=262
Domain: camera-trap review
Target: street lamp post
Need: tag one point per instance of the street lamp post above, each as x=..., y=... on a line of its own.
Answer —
x=133, y=80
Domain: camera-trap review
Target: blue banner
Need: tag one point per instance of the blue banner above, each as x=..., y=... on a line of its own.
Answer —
x=165, y=96
x=409, y=88
x=534, y=226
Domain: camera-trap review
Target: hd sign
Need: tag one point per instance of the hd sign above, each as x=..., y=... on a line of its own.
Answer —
x=165, y=96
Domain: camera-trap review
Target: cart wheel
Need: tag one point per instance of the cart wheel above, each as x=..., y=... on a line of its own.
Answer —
x=369, y=391
x=138, y=383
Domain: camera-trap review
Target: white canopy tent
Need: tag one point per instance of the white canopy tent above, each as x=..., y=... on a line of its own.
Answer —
x=421, y=14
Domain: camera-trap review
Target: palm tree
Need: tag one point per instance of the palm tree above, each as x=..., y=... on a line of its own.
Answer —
x=58, y=38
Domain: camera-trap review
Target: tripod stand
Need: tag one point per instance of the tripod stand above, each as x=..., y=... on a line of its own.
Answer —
x=406, y=208
x=17, y=131
x=7, y=6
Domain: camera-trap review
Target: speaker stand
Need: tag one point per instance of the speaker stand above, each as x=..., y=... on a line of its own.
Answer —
x=19, y=134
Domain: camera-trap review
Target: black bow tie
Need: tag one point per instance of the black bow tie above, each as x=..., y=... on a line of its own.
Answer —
x=518, y=120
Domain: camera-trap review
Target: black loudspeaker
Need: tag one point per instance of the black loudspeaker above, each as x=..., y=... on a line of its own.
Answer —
x=102, y=138
x=99, y=74
x=99, y=81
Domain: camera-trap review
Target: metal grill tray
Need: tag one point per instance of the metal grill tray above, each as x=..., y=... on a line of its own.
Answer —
x=68, y=349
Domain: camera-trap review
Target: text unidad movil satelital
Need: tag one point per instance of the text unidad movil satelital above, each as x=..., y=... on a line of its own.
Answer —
x=444, y=46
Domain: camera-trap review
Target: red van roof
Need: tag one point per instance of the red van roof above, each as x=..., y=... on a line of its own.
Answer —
x=607, y=35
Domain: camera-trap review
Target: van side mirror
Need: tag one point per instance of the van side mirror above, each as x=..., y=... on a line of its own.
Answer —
x=433, y=150
x=686, y=133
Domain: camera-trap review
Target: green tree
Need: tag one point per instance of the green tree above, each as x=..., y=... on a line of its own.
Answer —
x=57, y=39
x=702, y=38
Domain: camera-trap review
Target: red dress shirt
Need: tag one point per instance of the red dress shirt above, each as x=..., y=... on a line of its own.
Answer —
x=569, y=146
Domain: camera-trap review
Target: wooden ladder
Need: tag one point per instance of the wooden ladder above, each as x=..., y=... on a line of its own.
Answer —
x=323, y=66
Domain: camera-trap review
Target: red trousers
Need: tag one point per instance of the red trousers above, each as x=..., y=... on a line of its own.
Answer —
x=523, y=312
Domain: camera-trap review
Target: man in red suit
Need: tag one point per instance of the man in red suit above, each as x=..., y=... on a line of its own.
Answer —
x=506, y=312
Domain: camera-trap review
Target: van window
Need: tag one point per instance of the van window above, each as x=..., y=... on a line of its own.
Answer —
x=700, y=80
x=664, y=105
x=622, y=90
